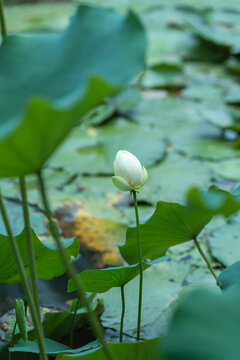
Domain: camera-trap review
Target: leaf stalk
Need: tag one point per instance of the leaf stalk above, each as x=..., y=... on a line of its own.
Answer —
x=30, y=246
x=205, y=258
x=140, y=265
x=22, y=273
x=2, y=21
x=73, y=322
x=72, y=270
x=123, y=313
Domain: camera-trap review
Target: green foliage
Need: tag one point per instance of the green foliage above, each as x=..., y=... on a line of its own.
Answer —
x=163, y=283
x=52, y=347
x=143, y=350
x=99, y=281
x=21, y=318
x=48, y=261
x=57, y=324
x=104, y=279
x=205, y=327
x=65, y=86
x=173, y=223
x=170, y=225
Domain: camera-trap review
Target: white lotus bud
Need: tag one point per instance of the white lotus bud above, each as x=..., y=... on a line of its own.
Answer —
x=129, y=173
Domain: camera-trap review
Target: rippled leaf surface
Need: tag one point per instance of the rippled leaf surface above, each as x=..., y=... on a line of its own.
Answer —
x=48, y=261
x=144, y=350
x=60, y=77
x=102, y=280
x=170, y=225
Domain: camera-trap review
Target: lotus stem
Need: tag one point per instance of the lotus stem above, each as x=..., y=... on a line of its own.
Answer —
x=123, y=312
x=72, y=270
x=30, y=246
x=205, y=258
x=23, y=276
x=140, y=266
x=2, y=21
x=73, y=321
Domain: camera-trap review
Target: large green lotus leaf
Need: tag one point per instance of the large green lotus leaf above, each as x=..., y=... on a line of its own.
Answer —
x=92, y=150
x=230, y=277
x=52, y=347
x=162, y=183
x=205, y=327
x=59, y=78
x=171, y=224
x=101, y=280
x=143, y=350
x=225, y=243
x=47, y=258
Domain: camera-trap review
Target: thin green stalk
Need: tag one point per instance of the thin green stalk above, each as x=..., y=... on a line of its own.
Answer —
x=2, y=21
x=30, y=246
x=11, y=340
x=73, y=321
x=13, y=332
x=123, y=312
x=205, y=258
x=21, y=271
x=140, y=265
x=72, y=271
x=25, y=306
x=9, y=355
x=26, y=310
